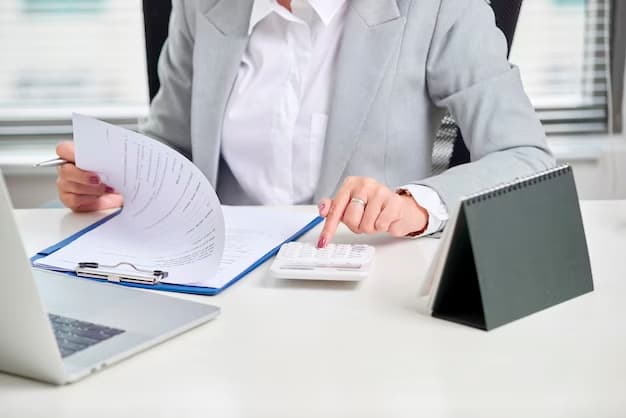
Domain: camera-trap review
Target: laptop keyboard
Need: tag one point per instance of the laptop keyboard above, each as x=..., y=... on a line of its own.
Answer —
x=73, y=335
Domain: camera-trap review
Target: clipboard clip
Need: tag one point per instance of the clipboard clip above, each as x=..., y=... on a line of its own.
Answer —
x=93, y=270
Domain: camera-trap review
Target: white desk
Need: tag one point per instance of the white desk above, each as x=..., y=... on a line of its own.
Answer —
x=296, y=349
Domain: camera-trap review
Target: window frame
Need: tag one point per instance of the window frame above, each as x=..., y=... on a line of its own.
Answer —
x=618, y=64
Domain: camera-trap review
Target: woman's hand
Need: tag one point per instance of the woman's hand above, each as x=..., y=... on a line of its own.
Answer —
x=81, y=190
x=368, y=207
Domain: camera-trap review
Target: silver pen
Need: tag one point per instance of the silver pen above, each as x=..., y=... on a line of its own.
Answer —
x=55, y=162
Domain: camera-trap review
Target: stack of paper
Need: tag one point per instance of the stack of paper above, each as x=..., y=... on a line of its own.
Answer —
x=172, y=219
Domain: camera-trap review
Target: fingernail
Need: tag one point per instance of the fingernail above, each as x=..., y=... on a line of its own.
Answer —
x=321, y=206
x=94, y=180
x=321, y=243
x=109, y=189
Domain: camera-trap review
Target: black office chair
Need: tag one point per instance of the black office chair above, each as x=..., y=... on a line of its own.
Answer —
x=156, y=17
x=450, y=150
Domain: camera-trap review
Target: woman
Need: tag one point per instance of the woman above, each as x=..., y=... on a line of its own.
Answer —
x=288, y=101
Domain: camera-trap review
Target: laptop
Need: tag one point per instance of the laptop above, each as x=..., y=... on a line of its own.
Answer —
x=59, y=329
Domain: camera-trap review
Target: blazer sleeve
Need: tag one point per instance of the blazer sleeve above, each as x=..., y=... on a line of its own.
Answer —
x=170, y=110
x=468, y=73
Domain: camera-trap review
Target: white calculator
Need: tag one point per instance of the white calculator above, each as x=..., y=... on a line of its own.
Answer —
x=344, y=262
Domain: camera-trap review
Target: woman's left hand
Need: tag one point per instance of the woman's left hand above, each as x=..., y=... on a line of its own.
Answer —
x=368, y=207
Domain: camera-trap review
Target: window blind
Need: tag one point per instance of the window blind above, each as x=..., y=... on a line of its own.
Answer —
x=562, y=49
x=64, y=56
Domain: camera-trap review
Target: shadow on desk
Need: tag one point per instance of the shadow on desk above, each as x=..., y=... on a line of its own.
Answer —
x=10, y=383
x=270, y=282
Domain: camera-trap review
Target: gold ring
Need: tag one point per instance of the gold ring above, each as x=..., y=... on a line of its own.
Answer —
x=358, y=201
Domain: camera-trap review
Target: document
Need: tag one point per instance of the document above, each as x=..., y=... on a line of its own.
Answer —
x=172, y=219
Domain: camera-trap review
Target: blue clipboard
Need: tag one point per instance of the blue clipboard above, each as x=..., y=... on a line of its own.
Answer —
x=195, y=290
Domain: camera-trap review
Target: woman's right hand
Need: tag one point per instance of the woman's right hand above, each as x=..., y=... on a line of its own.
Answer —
x=81, y=190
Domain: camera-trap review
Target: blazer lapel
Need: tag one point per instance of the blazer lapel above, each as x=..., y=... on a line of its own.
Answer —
x=221, y=38
x=372, y=29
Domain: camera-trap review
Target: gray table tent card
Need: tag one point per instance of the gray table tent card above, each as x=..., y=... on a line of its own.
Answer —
x=514, y=250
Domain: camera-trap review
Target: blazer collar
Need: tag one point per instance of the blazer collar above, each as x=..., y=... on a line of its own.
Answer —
x=325, y=10
x=232, y=17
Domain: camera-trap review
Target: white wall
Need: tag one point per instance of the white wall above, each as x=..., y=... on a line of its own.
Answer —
x=599, y=168
x=31, y=190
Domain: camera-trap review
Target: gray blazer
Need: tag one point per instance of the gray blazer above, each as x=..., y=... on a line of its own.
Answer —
x=401, y=64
